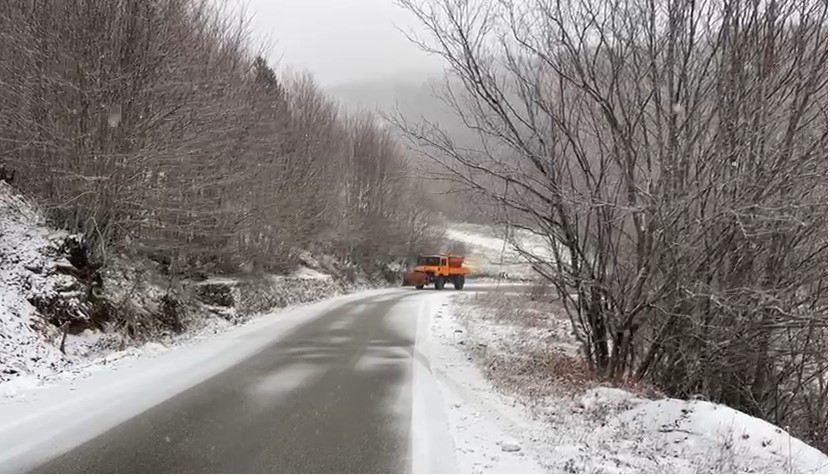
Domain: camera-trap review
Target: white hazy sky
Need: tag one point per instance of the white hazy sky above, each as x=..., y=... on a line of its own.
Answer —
x=340, y=41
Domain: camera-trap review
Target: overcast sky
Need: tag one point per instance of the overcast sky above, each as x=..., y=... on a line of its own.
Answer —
x=340, y=41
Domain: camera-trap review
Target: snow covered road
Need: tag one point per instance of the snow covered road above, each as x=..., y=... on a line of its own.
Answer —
x=344, y=385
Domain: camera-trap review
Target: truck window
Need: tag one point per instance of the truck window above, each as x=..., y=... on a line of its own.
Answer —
x=429, y=261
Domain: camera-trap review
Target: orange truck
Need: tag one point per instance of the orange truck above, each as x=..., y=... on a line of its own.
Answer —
x=439, y=270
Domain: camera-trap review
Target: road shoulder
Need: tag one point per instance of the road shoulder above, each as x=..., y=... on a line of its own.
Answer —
x=487, y=431
x=50, y=421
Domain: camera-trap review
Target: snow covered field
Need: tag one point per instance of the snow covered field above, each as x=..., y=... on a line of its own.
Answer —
x=489, y=255
x=510, y=413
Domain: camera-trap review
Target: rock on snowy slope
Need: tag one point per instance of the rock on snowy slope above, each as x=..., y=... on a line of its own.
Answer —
x=29, y=251
x=36, y=294
x=39, y=290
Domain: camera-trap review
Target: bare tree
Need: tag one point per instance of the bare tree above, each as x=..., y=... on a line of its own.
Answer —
x=674, y=156
x=153, y=124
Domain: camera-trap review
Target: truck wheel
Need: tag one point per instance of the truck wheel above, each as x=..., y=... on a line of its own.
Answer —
x=459, y=282
x=419, y=286
x=439, y=283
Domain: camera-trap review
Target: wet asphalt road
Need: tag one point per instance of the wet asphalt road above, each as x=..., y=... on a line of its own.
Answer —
x=333, y=396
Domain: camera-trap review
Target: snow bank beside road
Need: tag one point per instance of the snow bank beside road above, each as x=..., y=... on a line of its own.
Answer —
x=92, y=352
x=52, y=420
x=432, y=449
x=487, y=431
x=28, y=255
x=697, y=436
x=35, y=273
x=521, y=422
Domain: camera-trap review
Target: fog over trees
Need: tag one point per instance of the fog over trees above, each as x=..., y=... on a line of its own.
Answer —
x=156, y=124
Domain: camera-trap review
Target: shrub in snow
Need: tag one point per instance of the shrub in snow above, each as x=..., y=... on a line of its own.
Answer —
x=575, y=425
x=258, y=295
x=49, y=288
x=34, y=294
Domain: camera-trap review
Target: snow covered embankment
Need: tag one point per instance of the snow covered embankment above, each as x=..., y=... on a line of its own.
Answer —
x=29, y=257
x=134, y=314
x=50, y=322
x=503, y=393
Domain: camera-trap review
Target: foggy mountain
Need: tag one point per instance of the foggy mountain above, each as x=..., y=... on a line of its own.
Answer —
x=416, y=98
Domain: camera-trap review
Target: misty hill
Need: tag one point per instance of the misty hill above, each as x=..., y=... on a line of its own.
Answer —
x=416, y=97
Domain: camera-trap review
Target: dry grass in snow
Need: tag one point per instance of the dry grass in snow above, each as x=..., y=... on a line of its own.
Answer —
x=577, y=423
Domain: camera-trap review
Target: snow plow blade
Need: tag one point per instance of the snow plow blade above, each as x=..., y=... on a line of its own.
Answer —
x=414, y=279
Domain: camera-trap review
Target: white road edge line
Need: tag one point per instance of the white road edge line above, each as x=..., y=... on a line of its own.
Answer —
x=432, y=448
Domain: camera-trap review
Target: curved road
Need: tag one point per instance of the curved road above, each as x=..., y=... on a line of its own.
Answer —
x=333, y=394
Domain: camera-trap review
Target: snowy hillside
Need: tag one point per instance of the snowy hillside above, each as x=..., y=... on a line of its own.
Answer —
x=28, y=255
x=35, y=273
x=490, y=255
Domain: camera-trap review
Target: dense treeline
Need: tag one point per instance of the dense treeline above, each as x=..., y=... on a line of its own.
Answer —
x=152, y=124
x=674, y=154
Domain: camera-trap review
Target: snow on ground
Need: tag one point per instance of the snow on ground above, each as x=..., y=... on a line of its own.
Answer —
x=488, y=254
x=486, y=429
x=92, y=352
x=304, y=272
x=696, y=436
x=508, y=413
x=30, y=356
x=53, y=419
x=27, y=251
x=220, y=280
x=481, y=237
x=483, y=252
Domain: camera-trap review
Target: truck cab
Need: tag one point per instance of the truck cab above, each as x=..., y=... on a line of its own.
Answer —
x=438, y=270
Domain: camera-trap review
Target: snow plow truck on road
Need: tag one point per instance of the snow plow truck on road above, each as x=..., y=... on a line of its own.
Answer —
x=439, y=270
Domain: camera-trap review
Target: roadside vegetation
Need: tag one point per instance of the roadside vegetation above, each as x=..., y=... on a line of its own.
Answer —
x=155, y=149
x=571, y=419
x=674, y=158
x=155, y=126
x=158, y=137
